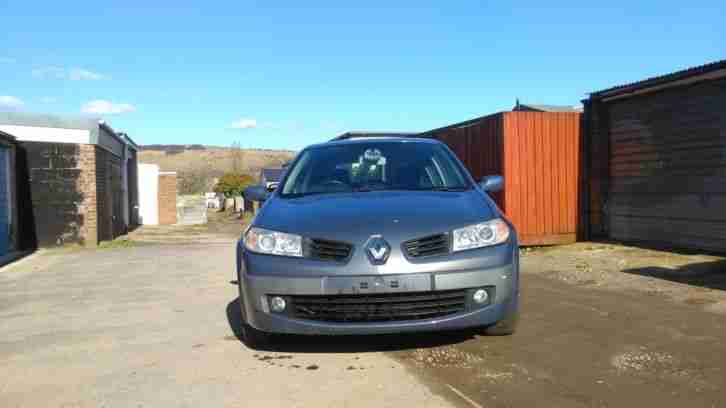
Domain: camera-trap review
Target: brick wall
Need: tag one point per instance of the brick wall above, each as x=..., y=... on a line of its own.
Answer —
x=167, y=198
x=62, y=194
x=87, y=184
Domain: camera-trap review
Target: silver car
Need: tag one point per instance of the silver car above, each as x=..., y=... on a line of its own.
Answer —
x=377, y=235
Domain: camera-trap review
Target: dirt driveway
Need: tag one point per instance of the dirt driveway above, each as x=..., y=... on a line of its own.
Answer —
x=158, y=325
x=155, y=326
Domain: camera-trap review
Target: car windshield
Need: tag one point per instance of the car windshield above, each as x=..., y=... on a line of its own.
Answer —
x=374, y=166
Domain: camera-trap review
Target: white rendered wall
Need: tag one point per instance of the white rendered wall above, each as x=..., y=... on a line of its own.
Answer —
x=47, y=134
x=148, y=194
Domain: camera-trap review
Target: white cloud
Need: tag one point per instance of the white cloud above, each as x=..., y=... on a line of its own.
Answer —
x=10, y=102
x=78, y=74
x=103, y=107
x=48, y=99
x=244, y=124
x=74, y=74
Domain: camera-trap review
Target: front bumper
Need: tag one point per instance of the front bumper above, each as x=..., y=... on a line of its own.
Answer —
x=257, y=281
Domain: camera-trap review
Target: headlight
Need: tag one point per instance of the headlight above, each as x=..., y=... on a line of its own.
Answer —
x=480, y=235
x=271, y=242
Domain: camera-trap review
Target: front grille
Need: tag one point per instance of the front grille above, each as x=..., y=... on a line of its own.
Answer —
x=329, y=250
x=428, y=246
x=378, y=307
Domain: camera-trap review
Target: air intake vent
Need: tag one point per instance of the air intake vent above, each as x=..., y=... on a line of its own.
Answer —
x=329, y=250
x=379, y=307
x=428, y=246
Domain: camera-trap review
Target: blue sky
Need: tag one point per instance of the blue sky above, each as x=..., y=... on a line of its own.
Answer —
x=287, y=75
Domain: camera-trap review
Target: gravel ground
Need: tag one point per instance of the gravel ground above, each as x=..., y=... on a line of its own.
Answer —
x=691, y=278
x=142, y=324
x=158, y=326
x=603, y=325
x=221, y=227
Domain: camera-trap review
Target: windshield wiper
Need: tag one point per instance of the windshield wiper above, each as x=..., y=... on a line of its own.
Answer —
x=445, y=188
x=298, y=195
x=366, y=189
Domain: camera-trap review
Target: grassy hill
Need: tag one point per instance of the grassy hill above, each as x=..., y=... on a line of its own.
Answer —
x=198, y=165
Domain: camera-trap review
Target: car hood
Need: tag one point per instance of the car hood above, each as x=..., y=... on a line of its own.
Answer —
x=354, y=217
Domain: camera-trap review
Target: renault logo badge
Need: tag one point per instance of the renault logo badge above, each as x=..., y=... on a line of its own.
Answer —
x=377, y=250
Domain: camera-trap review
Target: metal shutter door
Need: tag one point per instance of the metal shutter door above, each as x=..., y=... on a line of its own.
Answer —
x=4, y=197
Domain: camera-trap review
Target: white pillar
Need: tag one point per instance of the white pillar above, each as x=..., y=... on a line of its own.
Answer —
x=148, y=176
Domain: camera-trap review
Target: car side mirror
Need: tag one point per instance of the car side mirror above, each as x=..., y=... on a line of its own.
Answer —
x=492, y=183
x=256, y=193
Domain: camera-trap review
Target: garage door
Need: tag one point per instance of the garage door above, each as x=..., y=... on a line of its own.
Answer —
x=4, y=202
x=668, y=167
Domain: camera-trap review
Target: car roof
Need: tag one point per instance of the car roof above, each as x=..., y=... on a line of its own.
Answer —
x=377, y=138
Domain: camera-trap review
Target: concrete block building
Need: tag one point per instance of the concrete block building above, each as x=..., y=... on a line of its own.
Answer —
x=82, y=185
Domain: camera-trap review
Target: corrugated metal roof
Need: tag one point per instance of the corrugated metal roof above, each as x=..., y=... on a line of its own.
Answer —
x=546, y=108
x=128, y=140
x=662, y=79
x=7, y=137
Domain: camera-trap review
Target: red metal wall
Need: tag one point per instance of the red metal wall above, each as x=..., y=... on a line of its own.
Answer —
x=541, y=173
x=538, y=155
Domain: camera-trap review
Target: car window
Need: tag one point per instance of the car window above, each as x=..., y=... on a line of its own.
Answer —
x=374, y=166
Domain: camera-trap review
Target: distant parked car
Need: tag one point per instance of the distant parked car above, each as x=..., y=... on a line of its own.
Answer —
x=212, y=200
x=378, y=235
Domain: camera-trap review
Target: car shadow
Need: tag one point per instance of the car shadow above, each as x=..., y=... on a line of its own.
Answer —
x=347, y=344
x=704, y=274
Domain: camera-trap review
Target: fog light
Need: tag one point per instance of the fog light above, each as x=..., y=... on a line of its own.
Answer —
x=480, y=296
x=277, y=304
